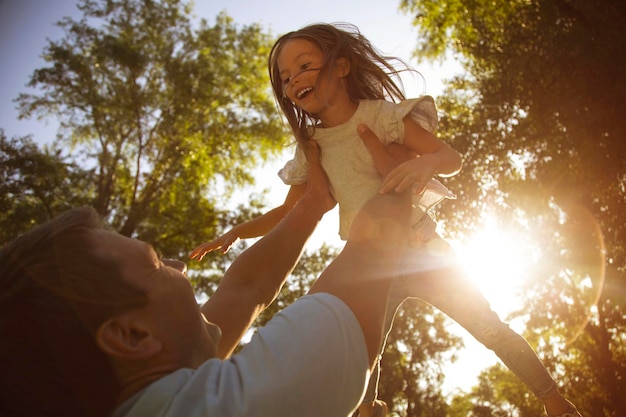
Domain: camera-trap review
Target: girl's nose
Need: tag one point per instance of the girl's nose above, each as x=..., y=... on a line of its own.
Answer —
x=298, y=76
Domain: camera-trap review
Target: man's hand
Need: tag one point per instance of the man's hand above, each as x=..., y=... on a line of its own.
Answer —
x=317, y=180
x=388, y=159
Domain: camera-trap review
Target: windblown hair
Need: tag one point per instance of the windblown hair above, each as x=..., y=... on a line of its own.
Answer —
x=55, y=290
x=371, y=73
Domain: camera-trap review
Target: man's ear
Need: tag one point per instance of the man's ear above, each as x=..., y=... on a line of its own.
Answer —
x=125, y=338
x=343, y=66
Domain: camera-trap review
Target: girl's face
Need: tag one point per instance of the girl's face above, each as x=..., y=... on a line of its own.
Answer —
x=304, y=82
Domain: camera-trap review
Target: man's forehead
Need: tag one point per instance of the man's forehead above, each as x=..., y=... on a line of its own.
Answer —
x=131, y=253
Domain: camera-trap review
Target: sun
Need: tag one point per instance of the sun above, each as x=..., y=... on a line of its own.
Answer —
x=496, y=259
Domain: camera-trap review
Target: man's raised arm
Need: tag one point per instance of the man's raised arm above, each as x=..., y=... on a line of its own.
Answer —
x=255, y=278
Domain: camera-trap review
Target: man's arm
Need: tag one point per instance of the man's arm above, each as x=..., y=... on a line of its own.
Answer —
x=255, y=278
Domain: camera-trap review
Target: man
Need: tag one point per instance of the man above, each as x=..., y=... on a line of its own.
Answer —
x=93, y=323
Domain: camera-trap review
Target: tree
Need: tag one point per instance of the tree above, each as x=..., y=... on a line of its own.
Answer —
x=35, y=184
x=172, y=114
x=539, y=119
x=498, y=393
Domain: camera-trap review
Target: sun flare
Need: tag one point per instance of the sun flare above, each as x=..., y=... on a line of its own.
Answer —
x=496, y=259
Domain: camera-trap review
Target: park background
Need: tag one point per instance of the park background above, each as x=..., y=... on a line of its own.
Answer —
x=535, y=108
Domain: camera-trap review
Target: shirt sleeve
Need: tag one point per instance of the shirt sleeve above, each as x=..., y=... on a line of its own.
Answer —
x=422, y=110
x=309, y=360
x=295, y=170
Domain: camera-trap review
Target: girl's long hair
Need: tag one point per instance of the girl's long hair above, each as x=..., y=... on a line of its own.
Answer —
x=372, y=75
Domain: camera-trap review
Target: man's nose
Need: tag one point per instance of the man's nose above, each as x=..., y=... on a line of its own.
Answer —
x=176, y=264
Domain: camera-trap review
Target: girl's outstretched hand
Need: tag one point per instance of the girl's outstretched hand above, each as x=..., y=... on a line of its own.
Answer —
x=223, y=243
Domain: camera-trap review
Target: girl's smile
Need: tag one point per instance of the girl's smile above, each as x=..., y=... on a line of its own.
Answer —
x=314, y=85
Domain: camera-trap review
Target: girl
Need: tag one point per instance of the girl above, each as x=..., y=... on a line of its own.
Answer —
x=330, y=81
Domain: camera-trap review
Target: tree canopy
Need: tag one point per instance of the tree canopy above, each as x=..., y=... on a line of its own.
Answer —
x=35, y=185
x=162, y=116
x=538, y=115
x=170, y=112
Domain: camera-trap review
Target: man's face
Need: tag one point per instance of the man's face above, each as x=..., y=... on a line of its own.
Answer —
x=172, y=313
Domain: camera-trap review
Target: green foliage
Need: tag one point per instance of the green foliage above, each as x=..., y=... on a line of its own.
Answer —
x=173, y=114
x=498, y=394
x=35, y=185
x=539, y=118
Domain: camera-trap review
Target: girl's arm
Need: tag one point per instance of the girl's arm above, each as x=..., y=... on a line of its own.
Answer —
x=434, y=157
x=254, y=228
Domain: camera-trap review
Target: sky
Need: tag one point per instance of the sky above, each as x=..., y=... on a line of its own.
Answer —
x=25, y=26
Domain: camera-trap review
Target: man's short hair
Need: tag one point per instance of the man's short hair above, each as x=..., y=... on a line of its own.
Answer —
x=56, y=288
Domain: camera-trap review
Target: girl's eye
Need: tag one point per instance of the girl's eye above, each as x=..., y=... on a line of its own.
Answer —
x=303, y=68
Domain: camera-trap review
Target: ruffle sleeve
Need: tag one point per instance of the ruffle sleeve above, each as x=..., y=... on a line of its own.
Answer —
x=422, y=110
x=295, y=170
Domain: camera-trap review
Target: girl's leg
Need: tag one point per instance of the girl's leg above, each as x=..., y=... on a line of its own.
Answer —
x=436, y=278
x=370, y=400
